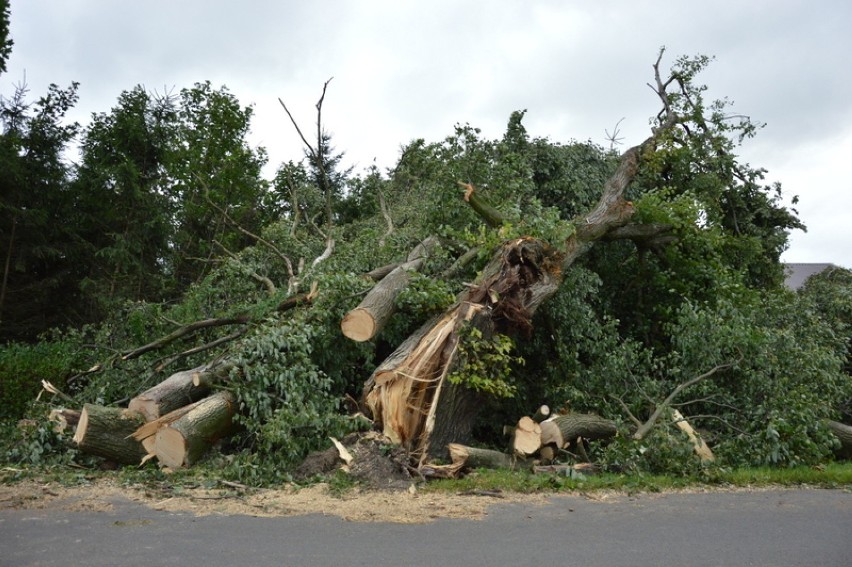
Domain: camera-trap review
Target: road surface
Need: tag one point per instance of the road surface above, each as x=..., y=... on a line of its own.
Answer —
x=763, y=528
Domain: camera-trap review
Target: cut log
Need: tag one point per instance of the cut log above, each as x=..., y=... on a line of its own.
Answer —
x=700, y=447
x=174, y=392
x=550, y=434
x=181, y=443
x=64, y=419
x=146, y=433
x=366, y=320
x=527, y=437
x=541, y=414
x=843, y=433
x=476, y=458
x=106, y=432
x=574, y=425
x=208, y=376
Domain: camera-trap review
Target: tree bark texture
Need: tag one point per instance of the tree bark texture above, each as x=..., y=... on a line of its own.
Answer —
x=475, y=458
x=174, y=392
x=106, y=432
x=366, y=320
x=185, y=440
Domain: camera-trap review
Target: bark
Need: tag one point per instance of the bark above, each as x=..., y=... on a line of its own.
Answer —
x=843, y=433
x=106, y=432
x=174, y=392
x=366, y=320
x=185, y=440
x=562, y=430
x=405, y=395
x=476, y=458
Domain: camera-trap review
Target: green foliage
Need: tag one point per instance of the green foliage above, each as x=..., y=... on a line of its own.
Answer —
x=287, y=404
x=24, y=366
x=631, y=321
x=486, y=364
x=5, y=41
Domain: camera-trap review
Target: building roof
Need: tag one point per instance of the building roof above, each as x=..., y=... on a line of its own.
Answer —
x=795, y=275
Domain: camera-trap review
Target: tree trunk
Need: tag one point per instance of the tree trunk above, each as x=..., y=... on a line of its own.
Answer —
x=561, y=430
x=185, y=440
x=526, y=438
x=843, y=433
x=106, y=432
x=174, y=392
x=405, y=394
x=476, y=458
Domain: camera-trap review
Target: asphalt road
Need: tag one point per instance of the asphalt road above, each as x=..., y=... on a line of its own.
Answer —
x=767, y=528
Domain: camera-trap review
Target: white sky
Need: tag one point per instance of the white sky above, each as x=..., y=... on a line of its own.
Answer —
x=405, y=70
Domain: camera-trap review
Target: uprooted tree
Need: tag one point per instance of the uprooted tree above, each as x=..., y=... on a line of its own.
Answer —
x=481, y=279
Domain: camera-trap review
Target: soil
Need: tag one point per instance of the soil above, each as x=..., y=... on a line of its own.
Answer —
x=398, y=506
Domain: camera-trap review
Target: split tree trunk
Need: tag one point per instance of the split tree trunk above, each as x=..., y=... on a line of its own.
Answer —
x=699, y=446
x=107, y=432
x=185, y=440
x=405, y=395
x=174, y=392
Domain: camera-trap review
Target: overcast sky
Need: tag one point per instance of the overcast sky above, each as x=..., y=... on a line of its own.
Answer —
x=404, y=70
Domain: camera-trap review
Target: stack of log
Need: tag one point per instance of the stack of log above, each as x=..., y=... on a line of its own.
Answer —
x=535, y=442
x=175, y=422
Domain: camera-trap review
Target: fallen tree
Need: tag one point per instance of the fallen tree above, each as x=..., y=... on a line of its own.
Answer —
x=407, y=394
x=288, y=364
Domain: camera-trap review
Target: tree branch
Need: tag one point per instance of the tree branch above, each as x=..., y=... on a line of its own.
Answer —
x=648, y=425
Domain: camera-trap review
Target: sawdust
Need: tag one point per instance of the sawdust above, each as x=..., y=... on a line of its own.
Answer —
x=406, y=507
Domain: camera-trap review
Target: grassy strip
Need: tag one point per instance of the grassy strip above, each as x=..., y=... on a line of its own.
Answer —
x=833, y=475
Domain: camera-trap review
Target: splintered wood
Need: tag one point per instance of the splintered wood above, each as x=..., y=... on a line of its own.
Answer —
x=404, y=395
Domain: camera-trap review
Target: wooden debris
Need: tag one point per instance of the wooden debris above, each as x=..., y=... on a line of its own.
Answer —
x=541, y=414
x=186, y=439
x=701, y=449
x=106, y=432
x=527, y=437
x=64, y=419
x=477, y=458
x=174, y=392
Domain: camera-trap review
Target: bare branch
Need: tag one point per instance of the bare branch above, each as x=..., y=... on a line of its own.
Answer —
x=254, y=275
x=646, y=427
x=183, y=331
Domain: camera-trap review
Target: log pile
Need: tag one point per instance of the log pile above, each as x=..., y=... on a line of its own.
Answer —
x=175, y=422
x=535, y=443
